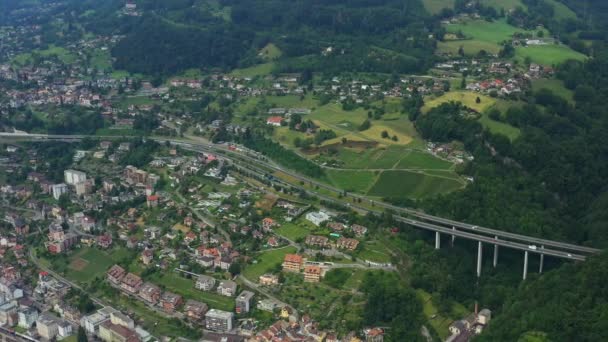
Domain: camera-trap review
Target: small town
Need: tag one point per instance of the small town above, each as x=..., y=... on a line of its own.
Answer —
x=296, y=171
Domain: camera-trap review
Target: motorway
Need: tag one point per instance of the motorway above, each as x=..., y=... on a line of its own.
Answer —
x=255, y=163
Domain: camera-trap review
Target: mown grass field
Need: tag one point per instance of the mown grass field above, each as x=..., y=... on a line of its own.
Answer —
x=499, y=127
x=422, y=160
x=480, y=34
x=467, y=98
x=374, y=251
x=266, y=261
x=550, y=54
x=555, y=85
x=89, y=263
x=61, y=53
x=294, y=230
x=256, y=70
x=270, y=52
x=352, y=180
x=409, y=184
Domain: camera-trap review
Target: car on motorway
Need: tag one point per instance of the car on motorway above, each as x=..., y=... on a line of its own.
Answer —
x=474, y=227
x=532, y=247
x=569, y=255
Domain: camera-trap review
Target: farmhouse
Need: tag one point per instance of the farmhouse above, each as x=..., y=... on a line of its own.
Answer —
x=274, y=121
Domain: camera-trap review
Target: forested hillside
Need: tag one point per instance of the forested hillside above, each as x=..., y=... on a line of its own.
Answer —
x=388, y=36
x=569, y=304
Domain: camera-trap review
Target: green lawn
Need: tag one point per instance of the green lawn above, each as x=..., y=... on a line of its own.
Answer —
x=375, y=252
x=499, y=127
x=292, y=101
x=89, y=263
x=270, y=52
x=480, y=34
x=63, y=54
x=551, y=54
x=294, y=230
x=102, y=60
x=408, y=184
x=555, y=85
x=256, y=70
x=266, y=262
x=467, y=98
x=423, y=160
x=351, y=180
x=175, y=283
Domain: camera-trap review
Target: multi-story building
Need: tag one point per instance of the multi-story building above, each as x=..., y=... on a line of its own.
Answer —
x=312, y=273
x=317, y=240
x=317, y=217
x=227, y=288
x=59, y=189
x=73, y=177
x=268, y=279
x=131, y=283
x=150, y=293
x=119, y=318
x=243, y=302
x=347, y=243
x=47, y=326
x=27, y=317
x=292, y=263
x=110, y=332
x=218, y=320
x=170, y=301
x=92, y=322
x=115, y=274
x=84, y=187
x=205, y=283
x=195, y=310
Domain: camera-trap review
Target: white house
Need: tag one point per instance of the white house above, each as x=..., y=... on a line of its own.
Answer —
x=317, y=217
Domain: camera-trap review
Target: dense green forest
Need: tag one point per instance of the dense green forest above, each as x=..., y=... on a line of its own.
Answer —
x=173, y=37
x=569, y=304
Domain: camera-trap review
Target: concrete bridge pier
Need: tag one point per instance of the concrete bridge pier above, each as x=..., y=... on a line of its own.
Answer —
x=525, y=265
x=437, y=240
x=453, y=236
x=479, y=252
x=542, y=260
x=495, y=261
